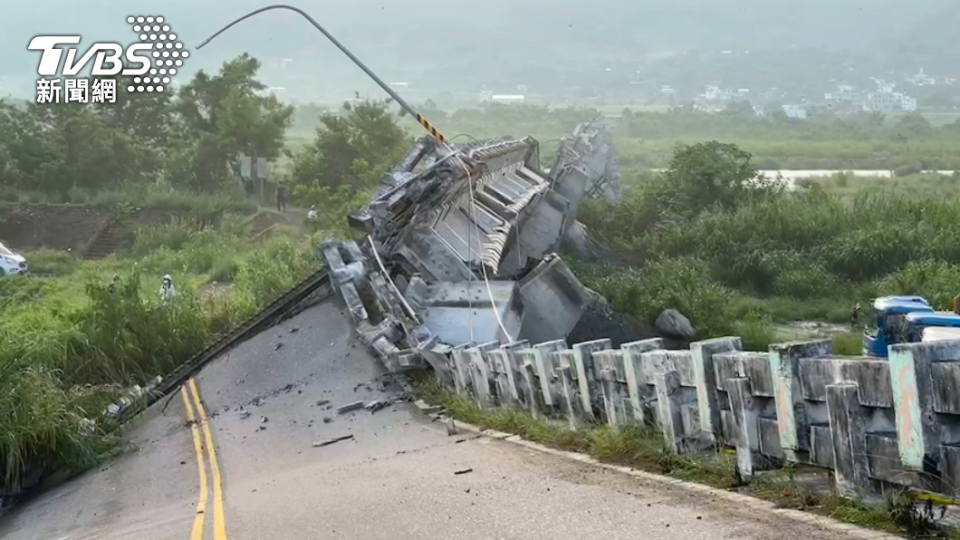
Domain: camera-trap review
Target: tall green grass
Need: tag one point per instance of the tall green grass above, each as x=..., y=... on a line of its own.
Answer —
x=792, y=256
x=69, y=343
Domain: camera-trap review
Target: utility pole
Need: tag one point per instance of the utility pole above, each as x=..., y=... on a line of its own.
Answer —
x=255, y=174
x=386, y=88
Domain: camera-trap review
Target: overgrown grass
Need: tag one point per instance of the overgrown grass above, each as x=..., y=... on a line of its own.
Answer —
x=789, y=257
x=642, y=448
x=70, y=341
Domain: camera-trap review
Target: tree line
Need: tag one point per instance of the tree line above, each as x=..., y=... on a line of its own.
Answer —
x=189, y=140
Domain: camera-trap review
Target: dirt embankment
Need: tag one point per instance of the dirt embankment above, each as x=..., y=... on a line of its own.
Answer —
x=70, y=227
x=58, y=227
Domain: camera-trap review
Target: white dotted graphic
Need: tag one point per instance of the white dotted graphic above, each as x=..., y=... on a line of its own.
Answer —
x=168, y=52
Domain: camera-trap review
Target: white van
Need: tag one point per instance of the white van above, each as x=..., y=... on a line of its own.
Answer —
x=11, y=263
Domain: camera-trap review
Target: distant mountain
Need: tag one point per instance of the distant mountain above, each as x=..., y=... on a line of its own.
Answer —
x=469, y=43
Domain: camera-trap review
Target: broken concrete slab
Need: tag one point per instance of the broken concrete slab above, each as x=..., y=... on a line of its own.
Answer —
x=427, y=408
x=350, y=407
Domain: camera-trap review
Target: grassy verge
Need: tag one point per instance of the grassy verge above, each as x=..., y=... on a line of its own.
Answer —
x=71, y=342
x=642, y=448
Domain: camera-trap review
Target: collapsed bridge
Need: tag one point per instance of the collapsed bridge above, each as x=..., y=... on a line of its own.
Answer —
x=462, y=246
x=460, y=274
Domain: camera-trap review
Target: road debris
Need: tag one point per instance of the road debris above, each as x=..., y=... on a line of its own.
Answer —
x=244, y=415
x=451, y=427
x=463, y=471
x=294, y=330
x=322, y=402
x=328, y=442
x=264, y=419
x=376, y=405
x=278, y=346
x=350, y=407
x=327, y=419
x=427, y=408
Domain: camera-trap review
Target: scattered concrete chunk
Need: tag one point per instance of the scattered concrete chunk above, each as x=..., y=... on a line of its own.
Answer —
x=244, y=415
x=322, y=402
x=328, y=442
x=294, y=330
x=327, y=419
x=427, y=408
x=350, y=407
x=264, y=419
x=376, y=405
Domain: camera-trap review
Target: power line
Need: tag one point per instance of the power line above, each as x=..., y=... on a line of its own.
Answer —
x=386, y=88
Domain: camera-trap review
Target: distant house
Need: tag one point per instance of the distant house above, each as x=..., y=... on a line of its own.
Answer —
x=507, y=98
x=886, y=101
x=797, y=112
x=844, y=94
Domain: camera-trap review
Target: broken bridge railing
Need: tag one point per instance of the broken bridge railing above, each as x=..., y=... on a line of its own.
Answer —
x=874, y=423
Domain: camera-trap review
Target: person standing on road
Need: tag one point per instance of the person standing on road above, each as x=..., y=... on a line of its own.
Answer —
x=282, y=195
x=855, y=317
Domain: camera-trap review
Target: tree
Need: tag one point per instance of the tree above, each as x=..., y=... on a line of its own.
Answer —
x=913, y=125
x=707, y=175
x=354, y=148
x=55, y=149
x=223, y=116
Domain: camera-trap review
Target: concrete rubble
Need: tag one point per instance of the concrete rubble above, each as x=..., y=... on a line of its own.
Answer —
x=461, y=248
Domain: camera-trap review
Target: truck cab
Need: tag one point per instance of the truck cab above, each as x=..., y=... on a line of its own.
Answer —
x=889, y=323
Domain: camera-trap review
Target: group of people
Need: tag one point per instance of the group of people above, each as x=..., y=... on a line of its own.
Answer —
x=283, y=197
x=167, y=290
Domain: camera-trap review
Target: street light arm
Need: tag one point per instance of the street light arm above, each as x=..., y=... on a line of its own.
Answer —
x=396, y=97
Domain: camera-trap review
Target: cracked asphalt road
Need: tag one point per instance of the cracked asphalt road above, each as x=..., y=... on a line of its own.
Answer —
x=393, y=480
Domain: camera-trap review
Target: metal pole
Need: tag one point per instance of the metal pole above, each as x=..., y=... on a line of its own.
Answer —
x=386, y=88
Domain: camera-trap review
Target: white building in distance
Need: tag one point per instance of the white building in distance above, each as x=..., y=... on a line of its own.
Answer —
x=885, y=101
x=797, y=112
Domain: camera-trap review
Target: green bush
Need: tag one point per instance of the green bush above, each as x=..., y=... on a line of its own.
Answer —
x=682, y=284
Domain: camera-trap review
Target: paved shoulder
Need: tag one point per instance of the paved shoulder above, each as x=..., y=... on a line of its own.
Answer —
x=149, y=493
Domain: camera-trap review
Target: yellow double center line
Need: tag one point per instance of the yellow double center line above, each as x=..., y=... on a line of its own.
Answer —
x=197, y=417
